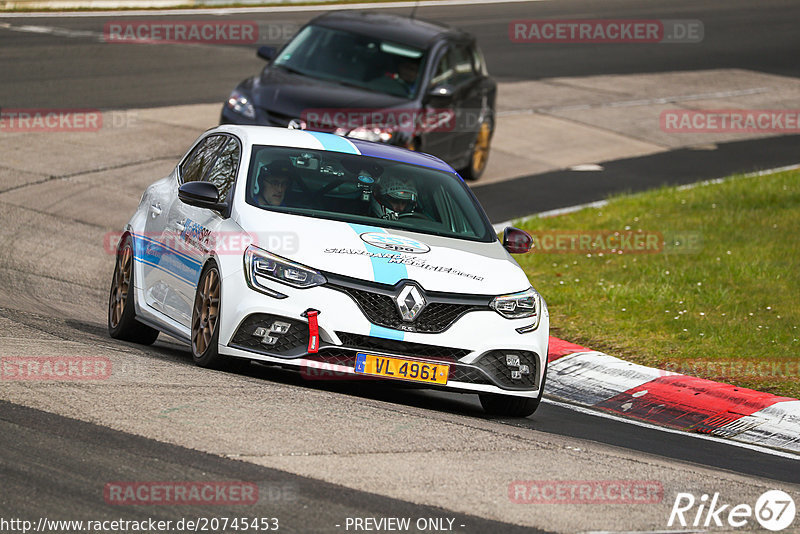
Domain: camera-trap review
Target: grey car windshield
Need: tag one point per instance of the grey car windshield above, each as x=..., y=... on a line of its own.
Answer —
x=355, y=60
x=364, y=190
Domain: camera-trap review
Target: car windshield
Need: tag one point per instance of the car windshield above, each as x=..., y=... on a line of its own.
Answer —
x=363, y=190
x=355, y=60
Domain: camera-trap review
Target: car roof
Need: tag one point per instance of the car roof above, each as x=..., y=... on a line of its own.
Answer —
x=395, y=28
x=270, y=135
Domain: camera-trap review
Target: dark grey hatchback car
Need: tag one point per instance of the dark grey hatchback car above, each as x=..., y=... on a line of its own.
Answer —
x=379, y=77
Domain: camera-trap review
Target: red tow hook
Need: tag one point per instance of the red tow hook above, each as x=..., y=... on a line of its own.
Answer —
x=313, y=330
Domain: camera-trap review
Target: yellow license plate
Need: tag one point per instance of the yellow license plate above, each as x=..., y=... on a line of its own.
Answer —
x=372, y=364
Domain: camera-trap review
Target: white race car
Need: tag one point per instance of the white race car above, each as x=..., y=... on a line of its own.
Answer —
x=316, y=252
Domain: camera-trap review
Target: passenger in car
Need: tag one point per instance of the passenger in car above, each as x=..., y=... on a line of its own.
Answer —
x=407, y=73
x=273, y=181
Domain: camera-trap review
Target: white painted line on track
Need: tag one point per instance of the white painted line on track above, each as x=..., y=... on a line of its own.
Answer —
x=639, y=102
x=269, y=9
x=52, y=30
x=733, y=443
x=550, y=213
x=499, y=227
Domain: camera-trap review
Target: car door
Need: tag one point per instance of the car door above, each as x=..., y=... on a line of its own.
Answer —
x=436, y=135
x=200, y=230
x=468, y=101
x=166, y=261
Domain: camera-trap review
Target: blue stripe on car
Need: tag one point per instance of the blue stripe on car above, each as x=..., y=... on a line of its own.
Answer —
x=166, y=259
x=335, y=143
x=384, y=273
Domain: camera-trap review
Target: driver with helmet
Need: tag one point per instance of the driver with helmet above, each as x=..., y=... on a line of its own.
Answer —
x=394, y=196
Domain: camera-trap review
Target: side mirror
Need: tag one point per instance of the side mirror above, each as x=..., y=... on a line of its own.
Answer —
x=517, y=241
x=266, y=52
x=441, y=92
x=202, y=195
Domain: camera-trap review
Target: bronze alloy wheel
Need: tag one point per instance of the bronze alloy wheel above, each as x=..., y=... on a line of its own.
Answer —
x=122, y=322
x=206, y=312
x=120, y=285
x=480, y=154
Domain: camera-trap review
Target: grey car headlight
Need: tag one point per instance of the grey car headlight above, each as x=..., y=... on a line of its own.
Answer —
x=261, y=266
x=520, y=305
x=240, y=104
x=376, y=134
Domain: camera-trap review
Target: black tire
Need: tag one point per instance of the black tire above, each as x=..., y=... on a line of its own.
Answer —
x=508, y=406
x=205, y=319
x=122, y=323
x=480, y=153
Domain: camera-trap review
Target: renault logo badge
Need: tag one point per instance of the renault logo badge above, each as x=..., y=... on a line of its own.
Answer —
x=410, y=302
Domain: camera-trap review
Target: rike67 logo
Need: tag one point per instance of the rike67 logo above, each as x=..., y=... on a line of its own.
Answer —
x=774, y=510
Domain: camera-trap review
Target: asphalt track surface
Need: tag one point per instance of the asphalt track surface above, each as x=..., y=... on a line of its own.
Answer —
x=53, y=465
x=47, y=70
x=40, y=448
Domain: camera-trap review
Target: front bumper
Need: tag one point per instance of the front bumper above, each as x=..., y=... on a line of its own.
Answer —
x=483, y=350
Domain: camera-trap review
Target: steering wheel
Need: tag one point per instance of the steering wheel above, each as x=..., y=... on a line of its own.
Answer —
x=415, y=215
x=327, y=188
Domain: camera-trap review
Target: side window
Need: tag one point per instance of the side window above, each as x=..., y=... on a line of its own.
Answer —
x=223, y=173
x=198, y=162
x=477, y=58
x=443, y=73
x=461, y=62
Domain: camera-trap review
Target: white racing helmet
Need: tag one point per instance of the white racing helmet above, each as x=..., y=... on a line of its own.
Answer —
x=395, y=196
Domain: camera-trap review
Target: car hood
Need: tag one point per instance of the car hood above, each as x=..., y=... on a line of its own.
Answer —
x=291, y=95
x=371, y=253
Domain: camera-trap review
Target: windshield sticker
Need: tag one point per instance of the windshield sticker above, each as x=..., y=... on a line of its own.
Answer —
x=395, y=243
x=408, y=261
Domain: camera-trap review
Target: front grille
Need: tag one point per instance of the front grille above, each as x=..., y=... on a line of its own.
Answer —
x=380, y=309
x=404, y=348
x=292, y=343
x=347, y=358
x=494, y=363
x=334, y=356
x=469, y=375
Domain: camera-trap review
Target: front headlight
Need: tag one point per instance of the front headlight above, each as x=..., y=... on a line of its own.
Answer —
x=240, y=104
x=260, y=266
x=518, y=305
x=369, y=133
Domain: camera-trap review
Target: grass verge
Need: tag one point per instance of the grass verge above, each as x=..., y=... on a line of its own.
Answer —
x=717, y=297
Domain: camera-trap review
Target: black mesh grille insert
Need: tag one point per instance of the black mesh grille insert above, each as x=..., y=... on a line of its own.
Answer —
x=496, y=366
x=380, y=309
x=406, y=348
x=294, y=342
